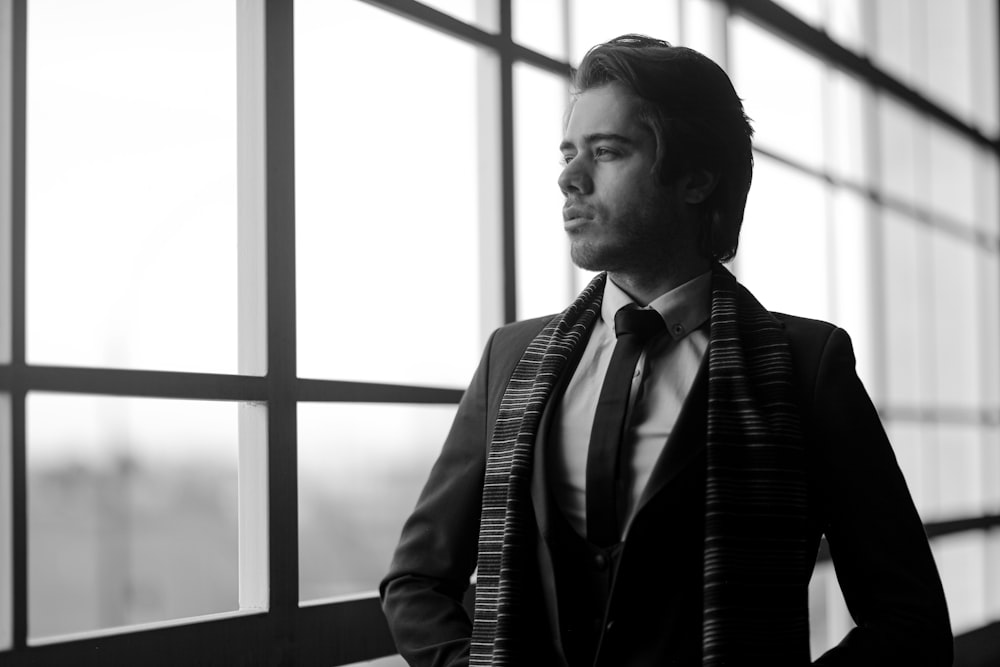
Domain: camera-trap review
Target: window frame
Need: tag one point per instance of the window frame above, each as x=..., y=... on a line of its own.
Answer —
x=272, y=623
x=275, y=627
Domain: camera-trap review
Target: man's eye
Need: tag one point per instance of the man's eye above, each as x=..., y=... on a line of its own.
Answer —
x=567, y=158
x=602, y=152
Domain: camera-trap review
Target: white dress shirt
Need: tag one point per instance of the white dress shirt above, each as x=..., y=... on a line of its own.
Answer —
x=662, y=380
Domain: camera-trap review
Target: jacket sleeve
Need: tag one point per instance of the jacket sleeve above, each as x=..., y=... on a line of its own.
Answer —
x=879, y=548
x=436, y=554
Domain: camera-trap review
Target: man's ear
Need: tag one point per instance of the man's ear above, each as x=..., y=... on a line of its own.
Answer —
x=698, y=185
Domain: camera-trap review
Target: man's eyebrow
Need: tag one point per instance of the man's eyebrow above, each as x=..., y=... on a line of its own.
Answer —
x=599, y=136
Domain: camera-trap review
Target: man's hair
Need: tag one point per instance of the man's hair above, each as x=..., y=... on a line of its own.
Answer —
x=690, y=105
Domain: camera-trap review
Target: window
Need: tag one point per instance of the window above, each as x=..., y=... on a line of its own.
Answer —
x=361, y=468
x=387, y=199
x=771, y=93
x=131, y=185
x=545, y=279
x=132, y=511
x=889, y=226
x=221, y=214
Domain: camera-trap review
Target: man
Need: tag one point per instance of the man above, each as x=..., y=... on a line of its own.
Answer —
x=665, y=510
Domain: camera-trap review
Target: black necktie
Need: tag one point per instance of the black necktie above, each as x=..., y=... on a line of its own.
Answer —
x=606, y=489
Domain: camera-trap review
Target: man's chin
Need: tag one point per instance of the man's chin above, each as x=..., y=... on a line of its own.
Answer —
x=593, y=257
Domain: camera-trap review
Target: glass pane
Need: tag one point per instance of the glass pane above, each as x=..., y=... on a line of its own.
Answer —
x=784, y=103
x=984, y=60
x=483, y=13
x=541, y=26
x=962, y=565
x=954, y=303
x=991, y=470
x=853, y=282
x=987, y=173
x=829, y=619
x=992, y=588
x=593, y=22
x=786, y=209
x=820, y=640
x=959, y=471
x=845, y=23
x=989, y=327
x=387, y=199
x=898, y=28
x=132, y=511
x=361, y=468
x=703, y=25
x=952, y=174
x=907, y=318
x=544, y=271
x=910, y=445
x=946, y=51
x=131, y=184
x=847, y=144
x=901, y=144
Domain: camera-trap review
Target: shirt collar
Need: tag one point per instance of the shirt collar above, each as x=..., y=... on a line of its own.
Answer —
x=683, y=309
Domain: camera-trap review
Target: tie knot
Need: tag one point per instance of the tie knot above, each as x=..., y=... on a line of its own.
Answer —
x=643, y=324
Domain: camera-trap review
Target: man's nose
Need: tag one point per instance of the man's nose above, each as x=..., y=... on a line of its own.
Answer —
x=575, y=178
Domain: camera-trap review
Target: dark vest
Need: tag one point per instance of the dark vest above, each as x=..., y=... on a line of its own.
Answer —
x=584, y=576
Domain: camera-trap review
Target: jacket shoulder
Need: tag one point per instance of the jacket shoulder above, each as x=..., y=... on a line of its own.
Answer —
x=817, y=348
x=807, y=337
x=804, y=327
x=517, y=335
x=505, y=348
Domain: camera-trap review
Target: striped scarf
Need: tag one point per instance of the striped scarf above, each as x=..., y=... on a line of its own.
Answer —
x=756, y=584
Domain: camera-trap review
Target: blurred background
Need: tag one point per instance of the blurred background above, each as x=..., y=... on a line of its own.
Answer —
x=215, y=215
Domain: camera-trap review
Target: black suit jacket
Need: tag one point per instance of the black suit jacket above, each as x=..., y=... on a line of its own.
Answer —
x=857, y=498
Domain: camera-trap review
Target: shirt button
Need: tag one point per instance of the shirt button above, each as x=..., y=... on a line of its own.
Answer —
x=601, y=561
x=609, y=625
x=677, y=329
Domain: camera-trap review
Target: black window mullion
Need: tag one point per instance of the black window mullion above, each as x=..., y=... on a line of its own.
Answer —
x=144, y=383
x=342, y=391
x=508, y=194
x=281, y=336
x=19, y=523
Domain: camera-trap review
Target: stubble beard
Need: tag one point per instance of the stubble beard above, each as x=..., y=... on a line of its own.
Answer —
x=648, y=238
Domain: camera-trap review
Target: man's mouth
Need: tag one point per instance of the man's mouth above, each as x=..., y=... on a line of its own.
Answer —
x=574, y=215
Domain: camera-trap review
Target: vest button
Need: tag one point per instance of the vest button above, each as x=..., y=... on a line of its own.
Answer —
x=601, y=561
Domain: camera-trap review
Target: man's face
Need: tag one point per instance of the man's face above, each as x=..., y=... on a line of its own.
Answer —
x=618, y=216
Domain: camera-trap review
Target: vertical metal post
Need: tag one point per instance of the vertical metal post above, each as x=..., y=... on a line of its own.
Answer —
x=507, y=176
x=18, y=459
x=281, y=325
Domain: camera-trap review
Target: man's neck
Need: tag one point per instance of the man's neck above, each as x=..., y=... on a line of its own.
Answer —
x=645, y=286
